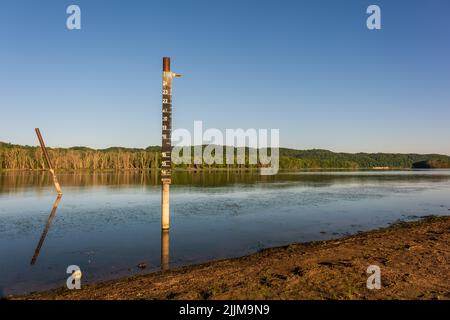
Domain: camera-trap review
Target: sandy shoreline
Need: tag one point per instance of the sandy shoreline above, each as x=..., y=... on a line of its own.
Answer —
x=414, y=260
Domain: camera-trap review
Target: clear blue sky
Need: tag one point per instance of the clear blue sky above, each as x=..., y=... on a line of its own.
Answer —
x=310, y=68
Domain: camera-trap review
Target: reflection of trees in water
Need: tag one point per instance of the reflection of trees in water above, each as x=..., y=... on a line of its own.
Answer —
x=22, y=180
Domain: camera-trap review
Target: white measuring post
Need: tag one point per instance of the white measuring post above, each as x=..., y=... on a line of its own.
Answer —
x=166, y=148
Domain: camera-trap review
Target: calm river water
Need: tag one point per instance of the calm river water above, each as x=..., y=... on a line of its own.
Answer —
x=109, y=223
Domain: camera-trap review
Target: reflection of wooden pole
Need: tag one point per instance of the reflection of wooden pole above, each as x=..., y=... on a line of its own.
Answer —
x=49, y=163
x=164, y=250
x=47, y=226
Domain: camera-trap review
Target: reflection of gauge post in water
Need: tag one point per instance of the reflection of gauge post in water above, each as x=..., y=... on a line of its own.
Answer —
x=166, y=149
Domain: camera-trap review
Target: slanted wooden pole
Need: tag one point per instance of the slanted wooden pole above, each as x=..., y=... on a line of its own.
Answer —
x=49, y=163
x=166, y=148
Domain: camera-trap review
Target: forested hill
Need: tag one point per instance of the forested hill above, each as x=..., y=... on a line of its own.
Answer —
x=16, y=157
x=317, y=158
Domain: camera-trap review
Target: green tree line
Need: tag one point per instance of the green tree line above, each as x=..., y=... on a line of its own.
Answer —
x=17, y=157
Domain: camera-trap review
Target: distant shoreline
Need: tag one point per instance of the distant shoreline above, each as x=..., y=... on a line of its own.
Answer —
x=18, y=157
x=253, y=170
x=412, y=257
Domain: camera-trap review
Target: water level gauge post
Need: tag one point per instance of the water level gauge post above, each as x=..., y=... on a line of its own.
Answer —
x=166, y=147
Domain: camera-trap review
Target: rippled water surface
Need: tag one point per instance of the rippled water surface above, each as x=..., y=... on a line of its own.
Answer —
x=109, y=223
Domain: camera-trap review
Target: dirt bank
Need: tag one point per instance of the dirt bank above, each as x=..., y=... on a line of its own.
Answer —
x=413, y=257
